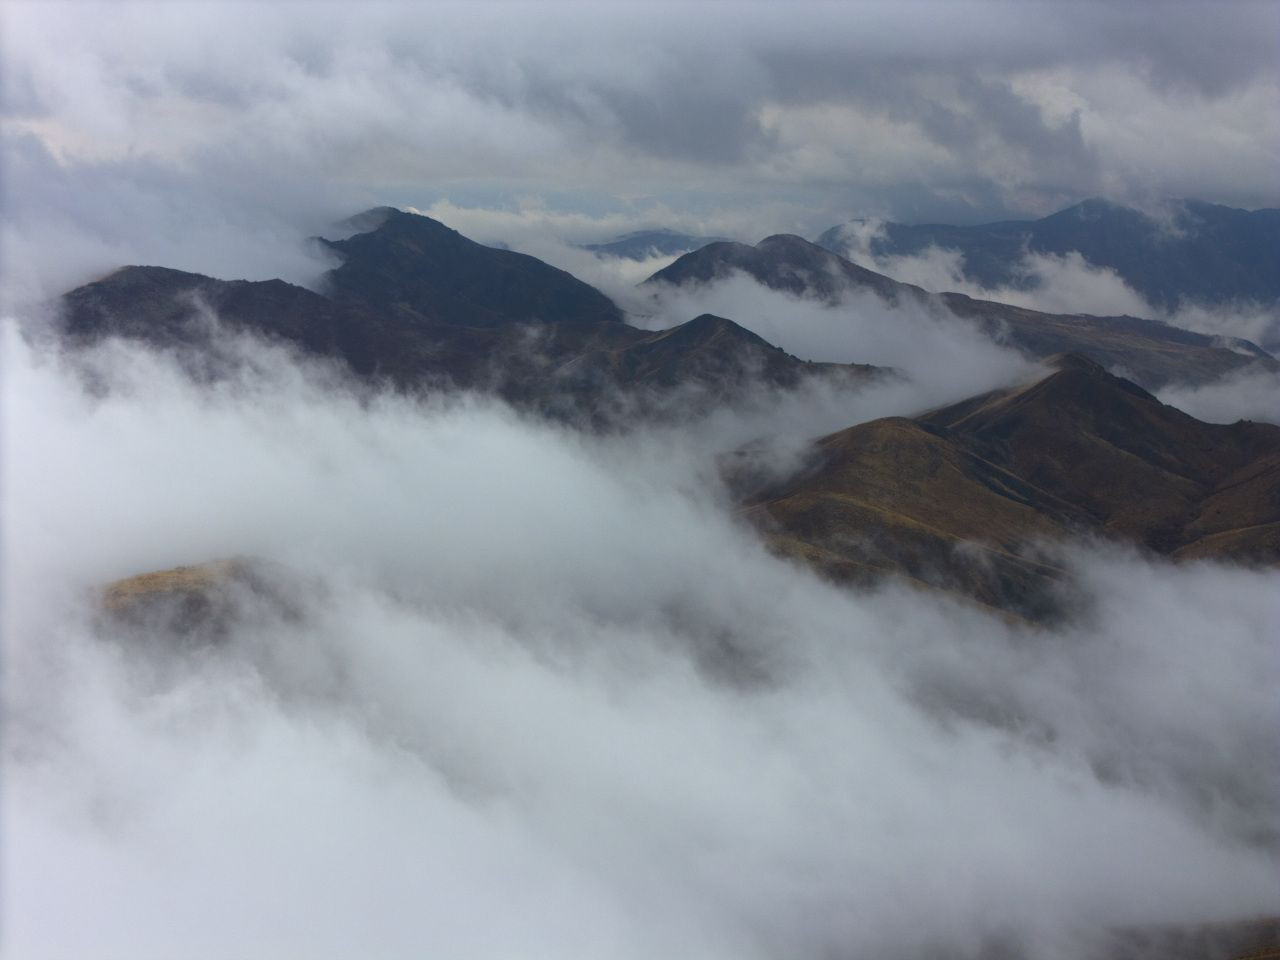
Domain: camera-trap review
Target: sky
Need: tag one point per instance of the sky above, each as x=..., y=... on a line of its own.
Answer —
x=211, y=136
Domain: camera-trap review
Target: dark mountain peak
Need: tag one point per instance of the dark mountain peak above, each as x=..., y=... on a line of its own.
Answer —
x=1078, y=394
x=1134, y=464
x=1093, y=379
x=383, y=224
x=141, y=277
x=415, y=268
x=396, y=220
x=135, y=301
x=781, y=262
x=787, y=249
x=1098, y=213
x=656, y=232
x=1095, y=205
x=721, y=359
x=1071, y=360
x=707, y=326
x=367, y=220
x=710, y=321
x=1089, y=375
x=792, y=244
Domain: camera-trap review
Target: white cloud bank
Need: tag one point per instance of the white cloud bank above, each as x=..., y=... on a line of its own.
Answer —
x=547, y=698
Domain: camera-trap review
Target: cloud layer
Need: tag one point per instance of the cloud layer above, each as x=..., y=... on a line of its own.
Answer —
x=538, y=693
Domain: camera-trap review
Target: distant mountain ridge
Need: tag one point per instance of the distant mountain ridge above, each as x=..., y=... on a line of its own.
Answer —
x=419, y=306
x=644, y=244
x=1196, y=253
x=1153, y=352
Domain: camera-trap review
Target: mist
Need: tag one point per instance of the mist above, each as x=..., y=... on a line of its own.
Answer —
x=520, y=690
x=1251, y=394
x=940, y=356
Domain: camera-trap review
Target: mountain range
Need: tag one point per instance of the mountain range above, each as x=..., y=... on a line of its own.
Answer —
x=1152, y=352
x=1182, y=253
x=417, y=305
x=963, y=498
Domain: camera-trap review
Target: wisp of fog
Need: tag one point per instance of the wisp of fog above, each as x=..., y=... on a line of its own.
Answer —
x=521, y=691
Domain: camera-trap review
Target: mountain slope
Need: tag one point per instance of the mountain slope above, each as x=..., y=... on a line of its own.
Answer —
x=959, y=497
x=1197, y=253
x=1152, y=352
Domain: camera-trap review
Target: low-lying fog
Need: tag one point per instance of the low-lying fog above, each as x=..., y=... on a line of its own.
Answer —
x=539, y=694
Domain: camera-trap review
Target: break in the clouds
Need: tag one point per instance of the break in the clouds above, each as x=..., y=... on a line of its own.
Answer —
x=535, y=693
x=154, y=132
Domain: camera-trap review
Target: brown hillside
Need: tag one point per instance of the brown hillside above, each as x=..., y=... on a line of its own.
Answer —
x=960, y=497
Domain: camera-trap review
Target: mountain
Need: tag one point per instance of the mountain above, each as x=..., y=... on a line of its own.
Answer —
x=424, y=317
x=1152, y=352
x=416, y=269
x=644, y=244
x=704, y=362
x=960, y=497
x=781, y=262
x=1195, y=252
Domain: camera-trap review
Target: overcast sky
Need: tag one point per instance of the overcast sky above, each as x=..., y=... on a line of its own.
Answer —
x=128, y=121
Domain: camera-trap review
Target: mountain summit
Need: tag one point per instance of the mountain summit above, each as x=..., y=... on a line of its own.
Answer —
x=781, y=262
x=415, y=268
